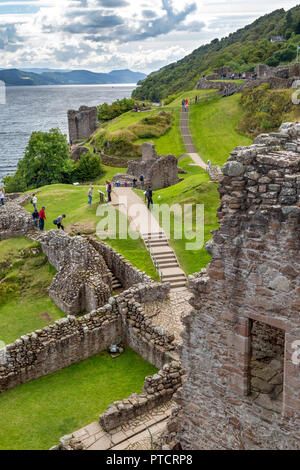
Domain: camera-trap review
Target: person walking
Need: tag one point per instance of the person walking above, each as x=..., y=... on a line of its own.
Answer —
x=90, y=194
x=134, y=181
x=34, y=201
x=2, y=195
x=142, y=181
x=183, y=103
x=42, y=218
x=149, y=195
x=109, y=190
x=35, y=216
x=59, y=222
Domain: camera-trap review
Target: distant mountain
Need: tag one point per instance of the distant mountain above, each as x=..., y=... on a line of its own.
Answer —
x=16, y=77
x=241, y=51
x=42, y=70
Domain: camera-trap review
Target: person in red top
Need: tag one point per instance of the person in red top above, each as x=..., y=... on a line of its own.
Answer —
x=42, y=218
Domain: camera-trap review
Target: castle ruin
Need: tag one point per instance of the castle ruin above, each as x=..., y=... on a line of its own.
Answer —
x=82, y=123
x=243, y=379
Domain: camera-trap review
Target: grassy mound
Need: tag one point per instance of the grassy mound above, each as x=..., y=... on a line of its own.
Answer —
x=121, y=141
x=35, y=415
x=25, y=276
x=265, y=109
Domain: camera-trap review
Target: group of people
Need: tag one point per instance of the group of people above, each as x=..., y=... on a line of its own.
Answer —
x=185, y=104
x=39, y=217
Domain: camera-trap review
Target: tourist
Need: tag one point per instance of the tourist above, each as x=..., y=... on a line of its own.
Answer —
x=109, y=190
x=149, y=195
x=125, y=184
x=34, y=201
x=136, y=107
x=196, y=99
x=209, y=163
x=186, y=105
x=142, y=181
x=90, y=194
x=42, y=218
x=134, y=181
x=59, y=222
x=35, y=216
x=2, y=195
x=94, y=150
x=183, y=103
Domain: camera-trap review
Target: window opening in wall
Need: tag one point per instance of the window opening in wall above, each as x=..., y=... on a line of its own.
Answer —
x=266, y=365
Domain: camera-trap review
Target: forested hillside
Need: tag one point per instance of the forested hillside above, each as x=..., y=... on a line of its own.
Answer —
x=241, y=50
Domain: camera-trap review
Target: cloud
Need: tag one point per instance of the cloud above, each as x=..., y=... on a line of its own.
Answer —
x=8, y=37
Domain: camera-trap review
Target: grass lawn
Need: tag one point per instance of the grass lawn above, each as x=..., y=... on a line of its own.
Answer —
x=212, y=126
x=33, y=416
x=73, y=201
x=24, y=279
x=193, y=190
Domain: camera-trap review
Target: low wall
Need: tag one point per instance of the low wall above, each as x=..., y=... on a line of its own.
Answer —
x=14, y=221
x=114, y=161
x=126, y=273
x=157, y=389
x=152, y=343
x=74, y=339
x=57, y=346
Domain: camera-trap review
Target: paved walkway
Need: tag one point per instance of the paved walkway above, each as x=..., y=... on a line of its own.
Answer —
x=156, y=241
x=187, y=138
x=167, y=313
x=138, y=433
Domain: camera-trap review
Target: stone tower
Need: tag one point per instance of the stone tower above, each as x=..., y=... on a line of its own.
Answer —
x=82, y=123
x=240, y=347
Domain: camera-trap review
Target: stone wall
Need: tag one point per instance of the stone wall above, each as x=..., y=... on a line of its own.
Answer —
x=159, y=172
x=117, y=162
x=14, y=220
x=83, y=282
x=124, y=271
x=66, y=342
x=82, y=123
x=157, y=389
x=253, y=277
x=74, y=339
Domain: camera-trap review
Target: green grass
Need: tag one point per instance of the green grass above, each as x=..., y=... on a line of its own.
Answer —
x=213, y=128
x=171, y=142
x=35, y=415
x=24, y=279
x=193, y=190
x=73, y=201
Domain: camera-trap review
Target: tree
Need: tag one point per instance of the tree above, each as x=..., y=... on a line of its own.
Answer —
x=87, y=168
x=46, y=161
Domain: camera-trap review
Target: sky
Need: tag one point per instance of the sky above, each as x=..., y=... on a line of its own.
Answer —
x=104, y=35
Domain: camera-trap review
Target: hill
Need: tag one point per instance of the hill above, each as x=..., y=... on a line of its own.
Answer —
x=15, y=77
x=241, y=51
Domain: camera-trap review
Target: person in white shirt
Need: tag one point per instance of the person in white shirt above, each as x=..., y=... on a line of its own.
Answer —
x=34, y=202
x=2, y=194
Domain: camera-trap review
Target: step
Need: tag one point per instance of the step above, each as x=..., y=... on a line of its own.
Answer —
x=158, y=243
x=165, y=266
x=164, y=257
x=175, y=285
x=174, y=276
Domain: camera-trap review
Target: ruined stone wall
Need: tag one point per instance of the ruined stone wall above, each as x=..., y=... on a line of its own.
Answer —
x=74, y=339
x=253, y=277
x=157, y=389
x=14, y=220
x=124, y=271
x=83, y=282
x=82, y=123
x=159, y=172
x=66, y=342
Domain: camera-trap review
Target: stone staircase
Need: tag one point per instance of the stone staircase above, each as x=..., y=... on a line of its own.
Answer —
x=116, y=285
x=164, y=259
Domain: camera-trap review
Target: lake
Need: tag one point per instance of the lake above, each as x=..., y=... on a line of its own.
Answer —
x=29, y=109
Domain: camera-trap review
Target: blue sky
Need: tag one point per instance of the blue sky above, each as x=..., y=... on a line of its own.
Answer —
x=102, y=35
